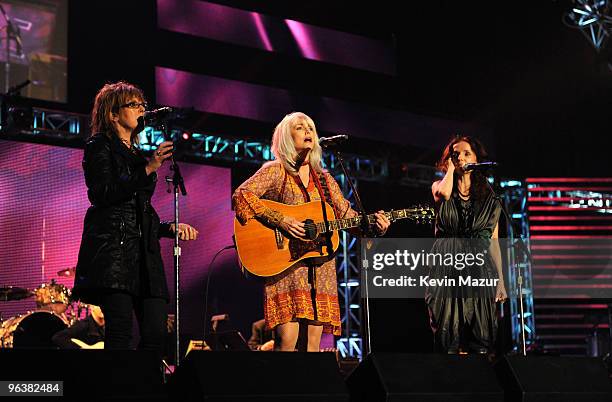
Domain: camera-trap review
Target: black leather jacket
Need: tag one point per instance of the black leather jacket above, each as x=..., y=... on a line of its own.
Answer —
x=120, y=246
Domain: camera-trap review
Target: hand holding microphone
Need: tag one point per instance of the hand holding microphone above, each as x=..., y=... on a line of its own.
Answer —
x=163, y=152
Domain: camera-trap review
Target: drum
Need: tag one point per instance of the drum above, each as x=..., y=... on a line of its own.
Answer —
x=51, y=293
x=33, y=330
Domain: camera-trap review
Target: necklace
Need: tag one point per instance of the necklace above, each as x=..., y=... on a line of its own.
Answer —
x=463, y=195
x=129, y=145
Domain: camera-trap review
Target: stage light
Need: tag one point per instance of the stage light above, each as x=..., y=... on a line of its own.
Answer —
x=594, y=20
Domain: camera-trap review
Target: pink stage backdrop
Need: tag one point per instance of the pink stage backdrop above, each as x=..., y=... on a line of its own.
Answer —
x=42, y=204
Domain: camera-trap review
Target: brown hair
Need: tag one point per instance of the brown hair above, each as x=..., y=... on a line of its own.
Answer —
x=479, y=187
x=108, y=100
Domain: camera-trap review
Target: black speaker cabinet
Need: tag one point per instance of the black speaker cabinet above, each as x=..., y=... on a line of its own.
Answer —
x=424, y=377
x=554, y=378
x=258, y=376
x=88, y=375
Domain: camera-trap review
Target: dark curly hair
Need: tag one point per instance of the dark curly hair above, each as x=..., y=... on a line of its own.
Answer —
x=478, y=188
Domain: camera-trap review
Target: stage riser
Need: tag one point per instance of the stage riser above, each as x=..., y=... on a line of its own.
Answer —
x=261, y=376
x=265, y=376
x=88, y=374
x=424, y=377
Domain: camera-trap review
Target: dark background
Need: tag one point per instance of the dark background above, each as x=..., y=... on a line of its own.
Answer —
x=512, y=69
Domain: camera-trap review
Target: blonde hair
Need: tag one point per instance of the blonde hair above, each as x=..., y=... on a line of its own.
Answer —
x=283, y=146
x=108, y=100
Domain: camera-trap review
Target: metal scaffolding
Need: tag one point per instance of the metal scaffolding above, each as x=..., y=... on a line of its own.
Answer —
x=515, y=198
x=593, y=19
x=349, y=286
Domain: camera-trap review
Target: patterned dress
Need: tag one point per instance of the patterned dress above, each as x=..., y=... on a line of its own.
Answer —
x=295, y=293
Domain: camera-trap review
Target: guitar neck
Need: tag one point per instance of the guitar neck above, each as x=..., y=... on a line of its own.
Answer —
x=348, y=223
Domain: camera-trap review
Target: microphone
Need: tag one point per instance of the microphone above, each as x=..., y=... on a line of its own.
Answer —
x=325, y=142
x=154, y=116
x=468, y=167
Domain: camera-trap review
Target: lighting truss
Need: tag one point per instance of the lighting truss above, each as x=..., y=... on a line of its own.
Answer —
x=417, y=175
x=50, y=121
x=350, y=344
x=515, y=198
x=52, y=124
x=214, y=147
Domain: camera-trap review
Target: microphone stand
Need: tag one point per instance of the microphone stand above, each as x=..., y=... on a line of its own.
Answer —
x=178, y=184
x=365, y=228
x=519, y=275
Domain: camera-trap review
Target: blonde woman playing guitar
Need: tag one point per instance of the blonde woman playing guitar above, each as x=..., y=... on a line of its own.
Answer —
x=305, y=293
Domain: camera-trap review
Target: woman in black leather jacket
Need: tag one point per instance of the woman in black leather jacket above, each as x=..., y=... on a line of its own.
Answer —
x=120, y=266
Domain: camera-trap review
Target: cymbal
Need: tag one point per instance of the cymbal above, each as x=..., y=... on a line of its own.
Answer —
x=14, y=293
x=67, y=273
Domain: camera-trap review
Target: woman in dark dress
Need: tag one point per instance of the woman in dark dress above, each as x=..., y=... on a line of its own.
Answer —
x=465, y=318
x=120, y=266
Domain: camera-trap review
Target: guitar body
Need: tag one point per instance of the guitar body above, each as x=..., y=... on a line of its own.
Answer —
x=267, y=251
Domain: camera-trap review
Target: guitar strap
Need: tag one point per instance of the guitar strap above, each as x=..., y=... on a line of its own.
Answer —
x=282, y=190
x=325, y=195
x=323, y=187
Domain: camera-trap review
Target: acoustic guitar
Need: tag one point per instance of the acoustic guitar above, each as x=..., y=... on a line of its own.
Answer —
x=268, y=251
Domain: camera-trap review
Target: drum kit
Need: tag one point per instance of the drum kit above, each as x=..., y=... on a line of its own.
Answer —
x=54, y=312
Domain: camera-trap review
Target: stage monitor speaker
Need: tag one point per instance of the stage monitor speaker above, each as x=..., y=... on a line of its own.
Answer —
x=258, y=376
x=424, y=377
x=88, y=375
x=554, y=378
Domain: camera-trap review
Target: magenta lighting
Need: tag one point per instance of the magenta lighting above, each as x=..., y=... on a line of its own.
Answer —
x=272, y=34
x=263, y=103
x=43, y=198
